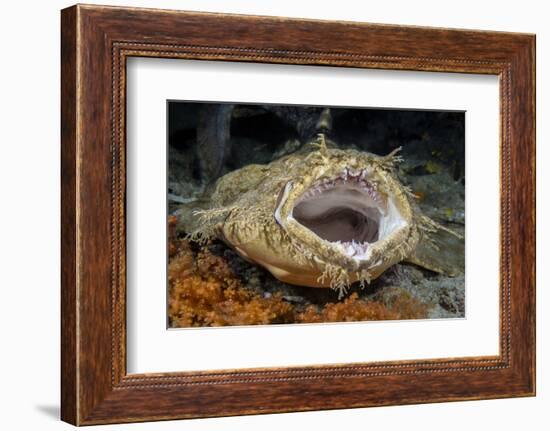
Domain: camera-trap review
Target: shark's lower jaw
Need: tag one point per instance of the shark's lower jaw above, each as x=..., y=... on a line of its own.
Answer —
x=348, y=212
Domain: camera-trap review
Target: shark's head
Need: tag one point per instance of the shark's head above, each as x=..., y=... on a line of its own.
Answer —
x=327, y=217
x=347, y=209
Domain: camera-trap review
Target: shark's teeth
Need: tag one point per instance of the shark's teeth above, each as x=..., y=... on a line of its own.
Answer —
x=350, y=176
x=353, y=249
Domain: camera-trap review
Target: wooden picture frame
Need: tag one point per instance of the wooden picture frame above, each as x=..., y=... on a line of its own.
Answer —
x=95, y=43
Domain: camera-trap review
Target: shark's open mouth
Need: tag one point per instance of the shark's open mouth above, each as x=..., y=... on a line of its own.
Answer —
x=347, y=211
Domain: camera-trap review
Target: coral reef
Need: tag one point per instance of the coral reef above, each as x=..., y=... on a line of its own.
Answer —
x=353, y=309
x=210, y=284
x=205, y=291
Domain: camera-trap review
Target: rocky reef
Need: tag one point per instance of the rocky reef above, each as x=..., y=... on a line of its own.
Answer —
x=210, y=285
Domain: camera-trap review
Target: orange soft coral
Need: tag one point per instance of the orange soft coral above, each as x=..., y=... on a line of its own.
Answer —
x=204, y=291
x=352, y=309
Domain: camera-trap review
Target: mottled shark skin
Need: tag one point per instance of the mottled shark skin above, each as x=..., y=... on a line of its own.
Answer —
x=321, y=217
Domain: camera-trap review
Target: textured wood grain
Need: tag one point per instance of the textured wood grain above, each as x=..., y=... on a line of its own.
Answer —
x=69, y=397
x=96, y=41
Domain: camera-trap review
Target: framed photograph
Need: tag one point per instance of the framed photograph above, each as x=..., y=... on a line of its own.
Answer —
x=263, y=214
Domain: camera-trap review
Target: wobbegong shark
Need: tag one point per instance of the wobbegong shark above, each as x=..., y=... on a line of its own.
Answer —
x=324, y=217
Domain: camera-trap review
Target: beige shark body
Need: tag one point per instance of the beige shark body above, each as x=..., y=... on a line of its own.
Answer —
x=322, y=217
